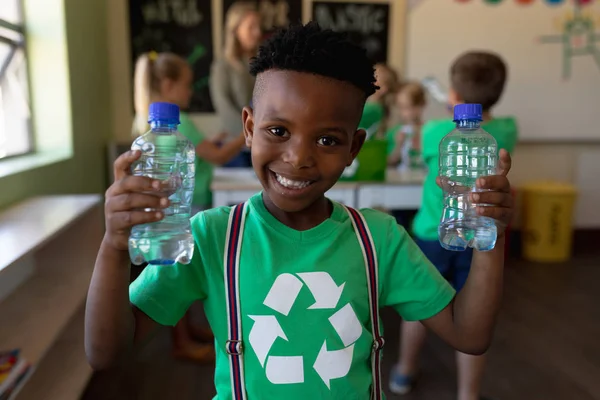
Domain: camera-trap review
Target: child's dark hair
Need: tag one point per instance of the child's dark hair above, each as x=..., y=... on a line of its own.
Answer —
x=479, y=77
x=308, y=48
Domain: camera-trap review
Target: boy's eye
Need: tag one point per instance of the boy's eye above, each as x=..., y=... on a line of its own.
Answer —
x=327, y=141
x=277, y=131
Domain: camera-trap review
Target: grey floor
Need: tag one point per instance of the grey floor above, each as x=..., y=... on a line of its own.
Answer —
x=546, y=347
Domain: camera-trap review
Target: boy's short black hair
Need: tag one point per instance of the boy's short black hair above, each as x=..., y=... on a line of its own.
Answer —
x=479, y=77
x=311, y=49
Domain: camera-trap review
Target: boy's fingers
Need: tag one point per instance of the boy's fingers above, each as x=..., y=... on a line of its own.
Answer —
x=132, y=201
x=135, y=184
x=498, y=213
x=504, y=162
x=499, y=199
x=497, y=183
x=126, y=219
x=122, y=165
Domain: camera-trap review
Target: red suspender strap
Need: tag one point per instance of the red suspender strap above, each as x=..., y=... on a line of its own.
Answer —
x=233, y=245
x=368, y=249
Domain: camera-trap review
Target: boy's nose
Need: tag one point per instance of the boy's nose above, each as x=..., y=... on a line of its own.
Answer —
x=299, y=154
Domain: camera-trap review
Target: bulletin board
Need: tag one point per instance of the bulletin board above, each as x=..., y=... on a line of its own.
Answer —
x=181, y=27
x=378, y=25
x=552, y=49
x=367, y=24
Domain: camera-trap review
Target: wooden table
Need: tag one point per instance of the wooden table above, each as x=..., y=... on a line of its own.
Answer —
x=401, y=190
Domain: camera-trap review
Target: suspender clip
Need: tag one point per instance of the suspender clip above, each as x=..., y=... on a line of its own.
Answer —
x=378, y=344
x=234, y=347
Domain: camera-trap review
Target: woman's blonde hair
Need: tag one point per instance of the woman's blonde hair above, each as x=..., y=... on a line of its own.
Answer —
x=235, y=15
x=415, y=93
x=150, y=70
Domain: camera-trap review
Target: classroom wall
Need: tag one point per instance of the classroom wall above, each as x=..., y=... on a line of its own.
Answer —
x=86, y=40
x=532, y=160
x=572, y=163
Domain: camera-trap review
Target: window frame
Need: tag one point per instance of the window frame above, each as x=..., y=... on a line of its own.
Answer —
x=15, y=46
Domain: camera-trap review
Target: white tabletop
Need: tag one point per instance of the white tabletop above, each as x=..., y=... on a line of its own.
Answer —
x=401, y=189
x=245, y=179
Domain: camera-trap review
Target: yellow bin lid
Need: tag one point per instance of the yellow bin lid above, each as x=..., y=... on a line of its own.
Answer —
x=550, y=187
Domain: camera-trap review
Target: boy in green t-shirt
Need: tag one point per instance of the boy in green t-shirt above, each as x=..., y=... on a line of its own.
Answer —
x=476, y=77
x=291, y=281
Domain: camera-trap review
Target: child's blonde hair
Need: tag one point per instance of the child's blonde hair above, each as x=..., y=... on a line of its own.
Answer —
x=415, y=93
x=392, y=81
x=150, y=70
x=235, y=15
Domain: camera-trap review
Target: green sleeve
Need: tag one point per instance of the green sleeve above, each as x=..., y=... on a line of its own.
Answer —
x=409, y=282
x=165, y=292
x=431, y=136
x=189, y=130
x=390, y=137
x=372, y=114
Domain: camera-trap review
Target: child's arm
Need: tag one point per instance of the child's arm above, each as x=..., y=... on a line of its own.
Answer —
x=209, y=151
x=396, y=156
x=111, y=324
x=467, y=323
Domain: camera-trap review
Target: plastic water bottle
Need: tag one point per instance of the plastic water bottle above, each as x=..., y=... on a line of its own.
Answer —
x=466, y=153
x=167, y=156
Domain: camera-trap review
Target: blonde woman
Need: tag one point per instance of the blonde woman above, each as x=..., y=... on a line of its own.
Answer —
x=231, y=84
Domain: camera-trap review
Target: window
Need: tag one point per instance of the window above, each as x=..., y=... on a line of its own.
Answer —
x=15, y=109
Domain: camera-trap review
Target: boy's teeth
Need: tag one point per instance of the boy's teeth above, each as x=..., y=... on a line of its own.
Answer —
x=290, y=184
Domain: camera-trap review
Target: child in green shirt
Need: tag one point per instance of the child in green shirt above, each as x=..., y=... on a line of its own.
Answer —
x=476, y=77
x=405, y=151
x=168, y=77
x=376, y=114
x=291, y=281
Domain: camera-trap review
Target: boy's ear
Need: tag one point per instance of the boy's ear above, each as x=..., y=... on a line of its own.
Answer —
x=248, y=125
x=357, y=142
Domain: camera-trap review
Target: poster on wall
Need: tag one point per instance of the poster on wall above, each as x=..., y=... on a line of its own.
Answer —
x=367, y=24
x=275, y=14
x=183, y=27
x=579, y=36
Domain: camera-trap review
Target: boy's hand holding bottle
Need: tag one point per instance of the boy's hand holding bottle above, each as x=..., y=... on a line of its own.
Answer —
x=126, y=200
x=477, y=199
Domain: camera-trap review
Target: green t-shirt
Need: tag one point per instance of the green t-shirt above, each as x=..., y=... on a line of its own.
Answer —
x=204, y=170
x=372, y=114
x=390, y=137
x=425, y=223
x=303, y=296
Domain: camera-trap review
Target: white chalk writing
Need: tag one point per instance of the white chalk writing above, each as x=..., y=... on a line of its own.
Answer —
x=182, y=12
x=365, y=19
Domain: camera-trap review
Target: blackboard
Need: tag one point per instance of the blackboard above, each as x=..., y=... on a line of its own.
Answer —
x=367, y=24
x=183, y=27
x=275, y=14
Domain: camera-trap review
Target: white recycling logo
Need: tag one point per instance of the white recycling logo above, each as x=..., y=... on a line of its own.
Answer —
x=330, y=364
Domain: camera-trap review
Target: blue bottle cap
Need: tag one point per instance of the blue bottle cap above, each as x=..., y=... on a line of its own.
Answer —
x=470, y=112
x=164, y=112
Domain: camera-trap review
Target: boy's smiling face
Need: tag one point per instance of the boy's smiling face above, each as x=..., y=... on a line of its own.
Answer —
x=302, y=133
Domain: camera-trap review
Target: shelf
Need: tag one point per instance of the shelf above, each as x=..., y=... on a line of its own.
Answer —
x=27, y=226
x=36, y=312
x=63, y=373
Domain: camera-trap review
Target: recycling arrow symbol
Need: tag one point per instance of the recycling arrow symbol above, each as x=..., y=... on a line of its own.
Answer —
x=266, y=330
